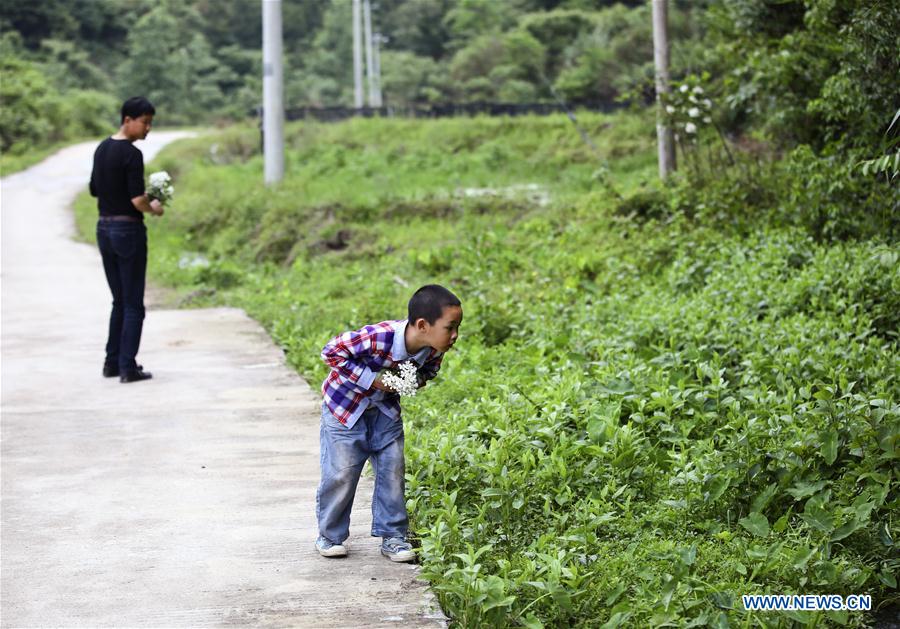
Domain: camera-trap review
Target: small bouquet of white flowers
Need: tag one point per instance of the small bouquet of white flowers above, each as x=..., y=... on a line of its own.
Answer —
x=161, y=187
x=406, y=382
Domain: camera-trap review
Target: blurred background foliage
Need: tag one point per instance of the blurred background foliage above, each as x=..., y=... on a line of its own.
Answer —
x=797, y=72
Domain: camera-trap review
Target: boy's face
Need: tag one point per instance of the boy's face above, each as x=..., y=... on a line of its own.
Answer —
x=137, y=128
x=443, y=334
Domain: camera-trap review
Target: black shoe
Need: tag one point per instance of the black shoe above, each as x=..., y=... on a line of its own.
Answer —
x=135, y=375
x=111, y=371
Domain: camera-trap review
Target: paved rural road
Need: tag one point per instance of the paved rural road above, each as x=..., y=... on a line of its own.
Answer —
x=185, y=501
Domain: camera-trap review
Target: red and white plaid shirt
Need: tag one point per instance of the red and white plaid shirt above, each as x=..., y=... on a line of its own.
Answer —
x=355, y=359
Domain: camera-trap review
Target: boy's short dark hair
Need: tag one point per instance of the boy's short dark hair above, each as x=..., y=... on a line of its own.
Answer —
x=429, y=302
x=136, y=107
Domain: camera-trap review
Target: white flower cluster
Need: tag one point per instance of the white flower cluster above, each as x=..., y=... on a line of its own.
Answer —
x=686, y=108
x=406, y=383
x=161, y=187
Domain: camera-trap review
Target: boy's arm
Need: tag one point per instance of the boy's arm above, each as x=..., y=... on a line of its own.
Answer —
x=430, y=369
x=343, y=354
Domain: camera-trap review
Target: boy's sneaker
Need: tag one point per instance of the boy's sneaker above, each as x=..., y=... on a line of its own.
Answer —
x=397, y=549
x=327, y=549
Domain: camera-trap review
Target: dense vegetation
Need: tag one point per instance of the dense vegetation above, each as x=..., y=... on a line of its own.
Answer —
x=809, y=72
x=662, y=399
x=67, y=64
x=665, y=395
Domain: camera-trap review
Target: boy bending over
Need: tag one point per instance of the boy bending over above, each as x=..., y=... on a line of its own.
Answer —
x=361, y=417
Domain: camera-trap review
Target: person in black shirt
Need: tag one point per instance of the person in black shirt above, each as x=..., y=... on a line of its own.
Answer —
x=117, y=180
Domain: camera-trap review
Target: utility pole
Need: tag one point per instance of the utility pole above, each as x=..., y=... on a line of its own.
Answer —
x=370, y=62
x=357, y=57
x=665, y=141
x=379, y=39
x=273, y=92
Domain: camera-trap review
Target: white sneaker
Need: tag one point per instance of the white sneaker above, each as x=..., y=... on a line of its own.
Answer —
x=397, y=549
x=327, y=549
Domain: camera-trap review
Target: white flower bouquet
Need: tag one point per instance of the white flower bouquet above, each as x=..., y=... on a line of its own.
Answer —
x=405, y=381
x=161, y=187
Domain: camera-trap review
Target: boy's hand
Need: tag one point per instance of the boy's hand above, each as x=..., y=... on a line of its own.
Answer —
x=156, y=207
x=377, y=384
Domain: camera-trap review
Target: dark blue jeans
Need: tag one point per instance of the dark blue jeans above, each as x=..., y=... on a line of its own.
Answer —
x=123, y=246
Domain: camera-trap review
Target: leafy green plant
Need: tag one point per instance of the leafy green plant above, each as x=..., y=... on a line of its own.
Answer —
x=657, y=404
x=889, y=163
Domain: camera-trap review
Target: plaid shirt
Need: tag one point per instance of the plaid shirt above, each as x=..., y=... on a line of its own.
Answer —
x=355, y=359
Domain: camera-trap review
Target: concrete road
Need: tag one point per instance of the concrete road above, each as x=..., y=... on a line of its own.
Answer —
x=185, y=501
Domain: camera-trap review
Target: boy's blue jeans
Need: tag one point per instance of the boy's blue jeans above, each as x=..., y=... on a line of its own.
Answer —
x=377, y=438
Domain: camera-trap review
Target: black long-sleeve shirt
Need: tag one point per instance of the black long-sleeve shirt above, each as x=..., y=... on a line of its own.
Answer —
x=117, y=177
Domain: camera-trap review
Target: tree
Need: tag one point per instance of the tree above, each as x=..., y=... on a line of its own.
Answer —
x=808, y=74
x=556, y=30
x=609, y=59
x=38, y=20
x=471, y=19
x=23, y=91
x=481, y=69
x=409, y=79
x=419, y=27
x=328, y=67
x=172, y=64
x=68, y=67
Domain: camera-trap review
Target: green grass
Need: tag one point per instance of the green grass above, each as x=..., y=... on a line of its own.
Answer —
x=652, y=409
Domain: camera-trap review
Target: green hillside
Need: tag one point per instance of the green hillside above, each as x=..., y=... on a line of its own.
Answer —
x=662, y=398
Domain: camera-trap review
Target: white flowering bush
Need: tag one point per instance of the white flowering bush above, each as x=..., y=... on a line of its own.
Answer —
x=405, y=380
x=160, y=187
x=687, y=109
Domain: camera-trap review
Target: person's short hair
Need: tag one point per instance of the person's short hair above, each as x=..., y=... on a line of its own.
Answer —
x=136, y=107
x=429, y=302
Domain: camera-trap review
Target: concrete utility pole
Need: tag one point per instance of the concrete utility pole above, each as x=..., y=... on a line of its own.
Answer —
x=379, y=39
x=273, y=92
x=665, y=141
x=374, y=95
x=357, y=57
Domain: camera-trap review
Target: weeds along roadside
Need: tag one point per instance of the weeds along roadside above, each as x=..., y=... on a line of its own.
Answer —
x=659, y=403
